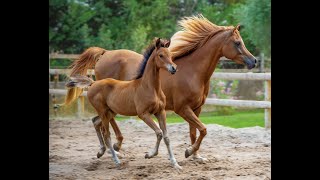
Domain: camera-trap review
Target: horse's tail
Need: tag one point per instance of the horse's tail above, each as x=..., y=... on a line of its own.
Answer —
x=79, y=81
x=80, y=66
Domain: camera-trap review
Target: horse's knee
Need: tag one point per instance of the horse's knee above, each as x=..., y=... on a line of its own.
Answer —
x=159, y=135
x=203, y=131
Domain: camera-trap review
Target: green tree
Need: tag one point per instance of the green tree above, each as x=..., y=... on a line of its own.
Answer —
x=68, y=29
x=255, y=15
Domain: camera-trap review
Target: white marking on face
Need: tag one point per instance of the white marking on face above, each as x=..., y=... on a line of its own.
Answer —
x=169, y=66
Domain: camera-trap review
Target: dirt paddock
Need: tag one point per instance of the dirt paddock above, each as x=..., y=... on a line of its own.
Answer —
x=232, y=153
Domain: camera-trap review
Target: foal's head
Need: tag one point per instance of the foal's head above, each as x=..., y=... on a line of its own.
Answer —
x=163, y=56
x=235, y=49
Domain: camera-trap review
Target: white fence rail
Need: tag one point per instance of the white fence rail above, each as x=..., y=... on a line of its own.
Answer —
x=219, y=102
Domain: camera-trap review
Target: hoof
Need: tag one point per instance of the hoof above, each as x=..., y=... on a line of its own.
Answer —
x=187, y=153
x=200, y=159
x=99, y=154
x=116, y=147
x=177, y=167
x=118, y=165
x=148, y=156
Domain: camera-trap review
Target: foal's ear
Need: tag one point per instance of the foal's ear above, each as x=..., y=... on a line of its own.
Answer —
x=237, y=28
x=167, y=43
x=158, y=43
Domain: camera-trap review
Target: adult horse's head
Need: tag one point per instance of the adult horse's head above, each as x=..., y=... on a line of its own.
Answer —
x=235, y=49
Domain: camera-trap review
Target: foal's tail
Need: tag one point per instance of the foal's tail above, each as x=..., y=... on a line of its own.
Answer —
x=80, y=66
x=79, y=81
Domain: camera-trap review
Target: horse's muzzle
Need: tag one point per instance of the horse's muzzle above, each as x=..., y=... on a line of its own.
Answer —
x=172, y=69
x=250, y=63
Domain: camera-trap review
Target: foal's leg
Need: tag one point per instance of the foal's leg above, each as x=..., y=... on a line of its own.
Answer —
x=193, y=136
x=187, y=114
x=105, y=124
x=161, y=116
x=116, y=146
x=146, y=117
x=97, y=126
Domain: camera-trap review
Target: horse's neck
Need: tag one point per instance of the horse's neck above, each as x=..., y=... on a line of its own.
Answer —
x=205, y=59
x=150, y=79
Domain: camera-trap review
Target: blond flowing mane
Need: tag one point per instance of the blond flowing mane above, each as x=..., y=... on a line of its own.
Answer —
x=196, y=31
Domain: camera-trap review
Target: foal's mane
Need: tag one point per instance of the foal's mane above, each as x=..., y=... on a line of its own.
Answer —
x=196, y=31
x=146, y=55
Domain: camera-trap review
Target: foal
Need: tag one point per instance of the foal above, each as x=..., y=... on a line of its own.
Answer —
x=142, y=97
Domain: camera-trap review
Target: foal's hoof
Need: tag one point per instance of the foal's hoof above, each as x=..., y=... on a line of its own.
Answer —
x=116, y=147
x=199, y=159
x=177, y=167
x=150, y=155
x=99, y=154
x=188, y=153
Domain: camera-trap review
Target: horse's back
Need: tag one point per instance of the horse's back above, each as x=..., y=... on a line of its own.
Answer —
x=119, y=64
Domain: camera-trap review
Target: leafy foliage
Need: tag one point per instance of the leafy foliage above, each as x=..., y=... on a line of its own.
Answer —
x=75, y=25
x=255, y=15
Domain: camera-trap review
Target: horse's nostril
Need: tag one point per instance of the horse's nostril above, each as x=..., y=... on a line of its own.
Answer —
x=255, y=60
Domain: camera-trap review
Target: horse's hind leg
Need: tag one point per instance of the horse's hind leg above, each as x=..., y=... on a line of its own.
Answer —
x=97, y=126
x=161, y=116
x=146, y=117
x=99, y=129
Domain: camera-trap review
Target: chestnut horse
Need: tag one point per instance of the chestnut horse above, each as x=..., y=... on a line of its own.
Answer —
x=142, y=96
x=196, y=49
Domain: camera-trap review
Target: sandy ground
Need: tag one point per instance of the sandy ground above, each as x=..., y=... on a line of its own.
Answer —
x=232, y=153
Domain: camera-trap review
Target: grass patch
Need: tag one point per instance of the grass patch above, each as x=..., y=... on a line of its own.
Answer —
x=240, y=119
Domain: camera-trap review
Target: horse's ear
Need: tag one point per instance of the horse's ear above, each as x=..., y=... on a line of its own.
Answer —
x=167, y=43
x=237, y=28
x=158, y=44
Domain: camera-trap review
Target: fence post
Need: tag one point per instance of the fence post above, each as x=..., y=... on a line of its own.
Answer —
x=55, y=86
x=267, y=112
x=261, y=67
x=49, y=71
x=80, y=105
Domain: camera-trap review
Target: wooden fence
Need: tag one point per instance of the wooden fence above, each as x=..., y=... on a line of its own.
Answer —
x=266, y=104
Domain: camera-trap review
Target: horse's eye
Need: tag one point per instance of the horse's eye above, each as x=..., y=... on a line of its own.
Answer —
x=237, y=43
x=161, y=56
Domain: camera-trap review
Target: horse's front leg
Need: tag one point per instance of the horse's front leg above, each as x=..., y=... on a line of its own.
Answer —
x=193, y=137
x=161, y=116
x=187, y=114
x=146, y=117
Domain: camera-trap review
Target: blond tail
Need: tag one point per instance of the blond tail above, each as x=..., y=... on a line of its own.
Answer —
x=79, y=81
x=79, y=67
